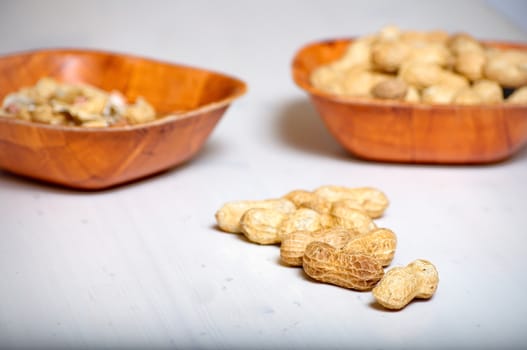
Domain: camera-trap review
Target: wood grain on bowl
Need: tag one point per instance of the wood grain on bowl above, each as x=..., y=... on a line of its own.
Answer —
x=412, y=133
x=100, y=158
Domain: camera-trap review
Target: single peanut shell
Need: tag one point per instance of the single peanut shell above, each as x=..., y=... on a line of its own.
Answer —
x=349, y=218
x=379, y=243
x=430, y=53
x=360, y=84
x=229, y=216
x=489, y=91
x=307, y=199
x=261, y=225
x=325, y=263
x=508, y=68
x=294, y=244
x=358, y=53
x=439, y=94
x=470, y=64
x=268, y=226
x=302, y=219
x=388, y=56
x=467, y=96
x=392, y=89
x=420, y=74
x=372, y=200
x=463, y=42
x=451, y=79
x=401, y=285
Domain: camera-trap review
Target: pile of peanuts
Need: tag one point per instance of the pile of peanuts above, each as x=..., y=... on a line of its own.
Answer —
x=330, y=232
x=428, y=67
x=57, y=103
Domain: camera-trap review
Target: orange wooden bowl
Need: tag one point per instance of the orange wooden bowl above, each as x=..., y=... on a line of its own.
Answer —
x=412, y=133
x=99, y=158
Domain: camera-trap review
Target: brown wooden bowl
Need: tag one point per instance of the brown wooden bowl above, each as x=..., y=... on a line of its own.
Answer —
x=99, y=158
x=412, y=133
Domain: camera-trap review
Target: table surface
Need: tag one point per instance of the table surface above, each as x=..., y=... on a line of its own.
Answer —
x=143, y=265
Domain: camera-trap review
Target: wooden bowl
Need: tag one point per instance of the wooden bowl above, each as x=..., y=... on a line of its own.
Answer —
x=412, y=133
x=99, y=158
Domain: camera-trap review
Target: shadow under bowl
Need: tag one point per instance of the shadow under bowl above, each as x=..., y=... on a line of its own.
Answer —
x=99, y=158
x=395, y=131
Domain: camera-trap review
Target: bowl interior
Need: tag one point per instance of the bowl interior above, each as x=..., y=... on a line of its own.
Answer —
x=168, y=87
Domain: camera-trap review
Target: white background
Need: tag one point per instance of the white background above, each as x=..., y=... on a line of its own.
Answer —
x=143, y=266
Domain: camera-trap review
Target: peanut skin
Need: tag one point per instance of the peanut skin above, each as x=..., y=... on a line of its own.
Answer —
x=401, y=285
x=268, y=226
x=325, y=263
x=229, y=216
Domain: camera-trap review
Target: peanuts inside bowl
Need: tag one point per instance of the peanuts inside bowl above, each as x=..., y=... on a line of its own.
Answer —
x=431, y=67
x=56, y=103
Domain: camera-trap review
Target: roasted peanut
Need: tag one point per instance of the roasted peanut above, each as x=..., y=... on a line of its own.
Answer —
x=463, y=42
x=230, y=214
x=307, y=199
x=401, y=285
x=294, y=244
x=343, y=214
x=393, y=89
x=325, y=263
x=267, y=226
x=508, y=68
x=327, y=78
x=439, y=94
x=420, y=74
x=431, y=53
x=452, y=79
x=372, y=200
x=360, y=83
x=470, y=64
x=311, y=200
x=379, y=243
x=388, y=56
x=489, y=91
x=467, y=96
x=357, y=54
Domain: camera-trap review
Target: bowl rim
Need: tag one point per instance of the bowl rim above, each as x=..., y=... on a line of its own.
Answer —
x=241, y=90
x=371, y=102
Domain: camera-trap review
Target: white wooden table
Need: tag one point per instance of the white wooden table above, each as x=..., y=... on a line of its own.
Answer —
x=143, y=266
